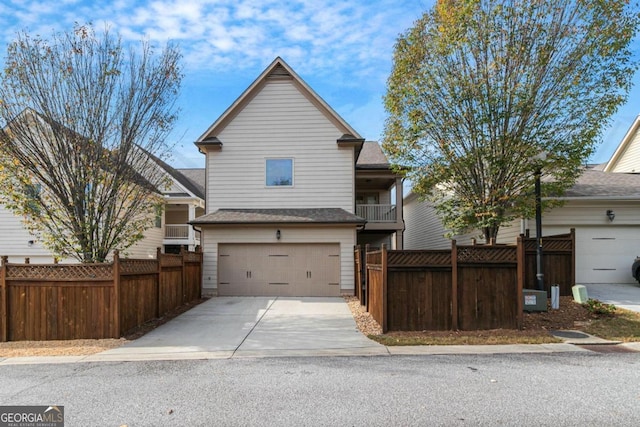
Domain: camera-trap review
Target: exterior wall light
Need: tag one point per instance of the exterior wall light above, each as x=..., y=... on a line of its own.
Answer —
x=611, y=215
x=278, y=234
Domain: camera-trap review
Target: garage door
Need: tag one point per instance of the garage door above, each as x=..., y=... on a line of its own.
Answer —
x=605, y=254
x=279, y=269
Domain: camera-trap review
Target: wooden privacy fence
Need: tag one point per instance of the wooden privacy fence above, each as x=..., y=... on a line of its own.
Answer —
x=467, y=287
x=558, y=262
x=79, y=301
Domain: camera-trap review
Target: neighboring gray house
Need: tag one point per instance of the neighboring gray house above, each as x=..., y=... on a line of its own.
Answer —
x=291, y=188
x=603, y=207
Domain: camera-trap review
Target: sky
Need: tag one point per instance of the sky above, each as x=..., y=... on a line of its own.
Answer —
x=342, y=49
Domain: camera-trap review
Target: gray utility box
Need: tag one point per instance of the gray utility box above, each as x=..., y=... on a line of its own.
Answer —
x=534, y=300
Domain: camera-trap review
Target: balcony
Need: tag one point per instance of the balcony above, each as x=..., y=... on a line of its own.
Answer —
x=176, y=231
x=377, y=213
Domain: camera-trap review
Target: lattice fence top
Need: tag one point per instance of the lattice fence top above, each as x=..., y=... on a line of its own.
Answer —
x=549, y=244
x=60, y=272
x=193, y=256
x=171, y=260
x=419, y=258
x=138, y=266
x=489, y=254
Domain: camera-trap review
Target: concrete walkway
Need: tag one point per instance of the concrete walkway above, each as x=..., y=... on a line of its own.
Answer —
x=622, y=295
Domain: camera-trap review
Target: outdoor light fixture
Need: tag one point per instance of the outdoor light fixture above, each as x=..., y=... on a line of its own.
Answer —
x=278, y=234
x=30, y=243
x=611, y=215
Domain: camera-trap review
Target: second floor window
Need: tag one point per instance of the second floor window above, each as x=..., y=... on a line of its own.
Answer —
x=279, y=172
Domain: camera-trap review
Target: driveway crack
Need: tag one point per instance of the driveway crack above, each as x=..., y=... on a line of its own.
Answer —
x=254, y=326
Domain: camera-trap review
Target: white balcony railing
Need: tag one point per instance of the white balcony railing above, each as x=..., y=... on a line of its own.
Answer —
x=377, y=213
x=176, y=231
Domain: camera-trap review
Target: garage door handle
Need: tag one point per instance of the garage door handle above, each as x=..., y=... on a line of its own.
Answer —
x=308, y=275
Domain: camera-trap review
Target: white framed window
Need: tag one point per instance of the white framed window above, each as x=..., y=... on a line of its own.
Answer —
x=279, y=172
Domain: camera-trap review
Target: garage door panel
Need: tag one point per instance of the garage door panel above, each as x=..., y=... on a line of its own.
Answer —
x=605, y=254
x=279, y=269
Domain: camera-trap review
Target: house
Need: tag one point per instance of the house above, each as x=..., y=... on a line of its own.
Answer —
x=183, y=196
x=602, y=206
x=291, y=188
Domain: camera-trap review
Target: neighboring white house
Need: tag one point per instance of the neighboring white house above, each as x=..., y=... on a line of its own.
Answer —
x=603, y=207
x=184, y=200
x=283, y=180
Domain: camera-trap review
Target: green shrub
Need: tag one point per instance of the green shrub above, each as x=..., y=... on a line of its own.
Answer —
x=598, y=307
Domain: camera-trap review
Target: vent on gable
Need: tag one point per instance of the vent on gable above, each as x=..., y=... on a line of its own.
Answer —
x=279, y=71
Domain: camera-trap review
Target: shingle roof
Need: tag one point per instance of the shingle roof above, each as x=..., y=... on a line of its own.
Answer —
x=280, y=216
x=595, y=183
x=197, y=178
x=372, y=157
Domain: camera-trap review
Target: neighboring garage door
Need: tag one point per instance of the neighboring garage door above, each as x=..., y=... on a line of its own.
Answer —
x=605, y=254
x=279, y=269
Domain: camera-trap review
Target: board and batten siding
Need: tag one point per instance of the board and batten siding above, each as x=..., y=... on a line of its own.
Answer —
x=212, y=237
x=280, y=122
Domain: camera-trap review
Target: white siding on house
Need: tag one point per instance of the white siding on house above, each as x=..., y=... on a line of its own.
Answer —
x=345, y=236
x=14, y=240
x=280, y=122
x=629, y=160
x=424, y=229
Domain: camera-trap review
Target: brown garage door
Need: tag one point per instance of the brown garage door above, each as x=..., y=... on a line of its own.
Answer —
x=279, y=269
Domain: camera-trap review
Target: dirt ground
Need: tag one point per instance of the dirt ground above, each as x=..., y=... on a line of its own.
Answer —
x=570, y=315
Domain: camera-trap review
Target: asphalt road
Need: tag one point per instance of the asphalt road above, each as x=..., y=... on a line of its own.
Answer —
x=568, y=389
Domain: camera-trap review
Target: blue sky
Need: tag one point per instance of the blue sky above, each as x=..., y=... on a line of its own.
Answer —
x=342, y=49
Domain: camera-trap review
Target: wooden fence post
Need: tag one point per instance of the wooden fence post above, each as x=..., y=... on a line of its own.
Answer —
x=521, y=272
x=366, y=278
x=158, y=280
x=184, y=254
x=385, y=303
x=4, y=321
x=454, y=285
x=115, y=271
x=573, y=257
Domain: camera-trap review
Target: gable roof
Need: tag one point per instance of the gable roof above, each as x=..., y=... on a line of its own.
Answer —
x=624, y=145
x=278, y=69
x=197, y=178
x=280, y=216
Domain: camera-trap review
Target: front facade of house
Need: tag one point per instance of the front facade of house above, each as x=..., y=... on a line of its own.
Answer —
x=603, y=207
x=281, y=194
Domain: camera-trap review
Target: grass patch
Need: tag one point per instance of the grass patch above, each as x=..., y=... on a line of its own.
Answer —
x=624, y=326
x=465, y=338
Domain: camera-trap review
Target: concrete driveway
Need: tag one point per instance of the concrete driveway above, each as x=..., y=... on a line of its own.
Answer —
x=253, y=326
x=622, y=295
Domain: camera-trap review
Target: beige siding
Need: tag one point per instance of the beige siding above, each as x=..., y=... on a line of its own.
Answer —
x=508, y=233
x=424, y=229
x=14, y=240
x=147, y=247
x=280, y=123
x=345, y=236
x=629, y=161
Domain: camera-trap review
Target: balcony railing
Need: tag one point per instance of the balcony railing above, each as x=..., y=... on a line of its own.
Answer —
x=176, y=231
x=377, y=213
